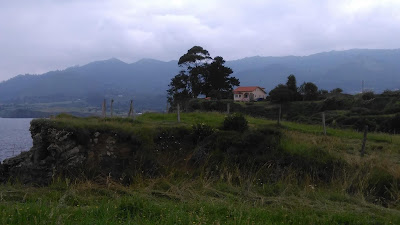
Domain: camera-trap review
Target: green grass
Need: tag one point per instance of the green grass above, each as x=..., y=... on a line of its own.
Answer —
x=345, y=140
x=215, y=119
x=179, y=198
x=193, y=202
x=342, y=133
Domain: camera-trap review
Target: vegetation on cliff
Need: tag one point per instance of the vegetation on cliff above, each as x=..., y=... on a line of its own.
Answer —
x=199, y=172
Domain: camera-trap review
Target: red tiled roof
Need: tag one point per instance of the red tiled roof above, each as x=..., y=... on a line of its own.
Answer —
x=247, y=89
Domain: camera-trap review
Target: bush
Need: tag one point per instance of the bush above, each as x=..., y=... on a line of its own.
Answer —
x=395, y=122
x=393, y=107
x=202, y=130
x=380, y=186
x=360, y=111
x=336, y=103
x=235, y=122
x=368, y=95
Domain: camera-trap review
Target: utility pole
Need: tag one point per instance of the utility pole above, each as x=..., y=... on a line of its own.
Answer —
x=362, y=87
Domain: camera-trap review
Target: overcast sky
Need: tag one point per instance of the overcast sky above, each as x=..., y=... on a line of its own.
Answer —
x=42, y=35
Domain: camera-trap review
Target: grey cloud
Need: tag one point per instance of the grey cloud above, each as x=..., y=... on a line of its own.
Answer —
x=37, y=36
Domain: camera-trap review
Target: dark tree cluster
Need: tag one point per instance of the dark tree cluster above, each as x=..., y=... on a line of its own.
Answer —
x=286, y=92
x=308, y=91
x=201, y=75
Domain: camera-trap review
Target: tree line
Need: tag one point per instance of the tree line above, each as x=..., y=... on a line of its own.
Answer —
x=307, y=91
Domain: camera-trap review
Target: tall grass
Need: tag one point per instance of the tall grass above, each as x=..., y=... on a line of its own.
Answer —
x=189, y=202
x=294, y=191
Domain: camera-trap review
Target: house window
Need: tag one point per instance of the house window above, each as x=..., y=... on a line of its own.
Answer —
x=246, y=95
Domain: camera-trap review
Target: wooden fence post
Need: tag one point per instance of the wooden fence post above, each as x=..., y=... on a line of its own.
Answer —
x=133, y=111
x=279, y=114
x=179, y=114
x=323, y=122
x=103, y=107
x=111, y=107
x=130, y=109
x=228, y=108
x=364, y=141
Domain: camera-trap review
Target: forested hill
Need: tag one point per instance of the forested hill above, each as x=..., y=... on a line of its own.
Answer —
x=379, y=69
x=147, y=80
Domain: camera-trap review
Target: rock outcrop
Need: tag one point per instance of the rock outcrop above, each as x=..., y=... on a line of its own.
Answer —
x=78, y=149
x=58, y=152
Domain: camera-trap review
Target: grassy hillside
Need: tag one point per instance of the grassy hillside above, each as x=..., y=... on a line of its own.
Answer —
x=381, y=112
x=308, y=179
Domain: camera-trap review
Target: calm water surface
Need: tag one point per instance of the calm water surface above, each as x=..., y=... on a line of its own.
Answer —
x=14, y=137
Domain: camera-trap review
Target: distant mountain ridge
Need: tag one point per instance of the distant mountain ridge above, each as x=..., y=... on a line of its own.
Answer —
x=147, y=80
x=345, y=69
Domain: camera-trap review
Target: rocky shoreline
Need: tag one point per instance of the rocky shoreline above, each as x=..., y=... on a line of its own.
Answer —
x=57, y=152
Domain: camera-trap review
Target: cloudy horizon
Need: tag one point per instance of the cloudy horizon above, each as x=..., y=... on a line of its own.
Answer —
x=39, y=36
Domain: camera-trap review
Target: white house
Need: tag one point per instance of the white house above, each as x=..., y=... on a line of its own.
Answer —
x=247, y=94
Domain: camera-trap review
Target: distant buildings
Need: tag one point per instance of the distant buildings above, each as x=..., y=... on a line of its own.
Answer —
x=247, y=94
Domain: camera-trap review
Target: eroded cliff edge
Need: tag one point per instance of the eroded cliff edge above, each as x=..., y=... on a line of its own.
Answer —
x=58, y=151
x=122, y=149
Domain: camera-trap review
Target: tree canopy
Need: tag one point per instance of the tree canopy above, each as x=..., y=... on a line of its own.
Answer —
x=336, y=91
x=285, y=93
x=281, y=93
x=309, y=91
x=201, y=74
x=291, y=83
x=290, y=91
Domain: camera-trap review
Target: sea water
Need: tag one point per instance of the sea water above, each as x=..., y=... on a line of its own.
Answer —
x=14, y=137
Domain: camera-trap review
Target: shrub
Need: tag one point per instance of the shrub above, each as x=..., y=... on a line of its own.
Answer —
x=335, y=103
x=360, y=111
x=395, y=122
x=390, y=93
x=314, y=162
x=202, y=130
x=393, y=107
x=380, y=186
x=362, y=122
x=368, y=95
x=236, y=122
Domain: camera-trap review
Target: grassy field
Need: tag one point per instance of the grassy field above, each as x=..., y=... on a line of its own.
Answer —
x=180, y=199
x=184, y=202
